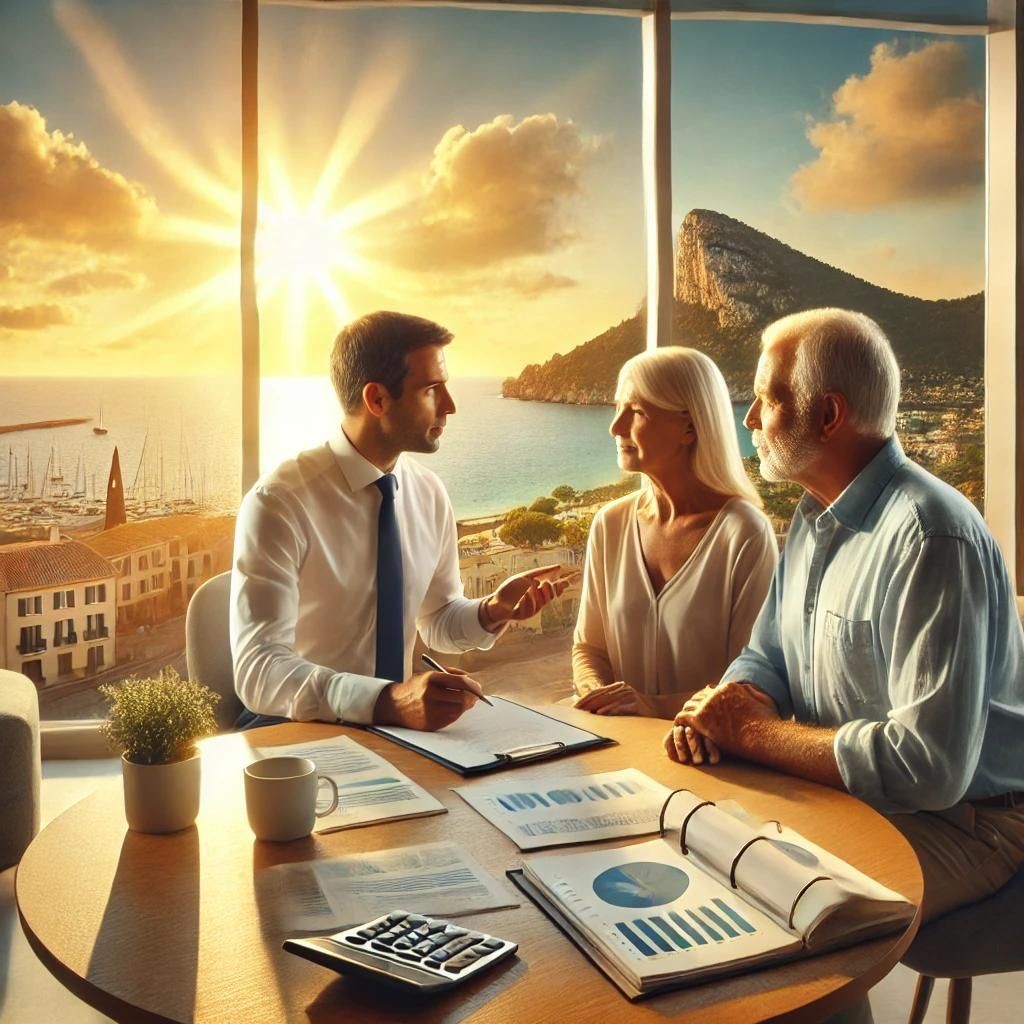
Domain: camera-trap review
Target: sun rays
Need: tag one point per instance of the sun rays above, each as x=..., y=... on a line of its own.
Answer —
x=308, y=240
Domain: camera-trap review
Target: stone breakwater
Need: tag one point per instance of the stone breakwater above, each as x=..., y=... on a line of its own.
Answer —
x=15, y=428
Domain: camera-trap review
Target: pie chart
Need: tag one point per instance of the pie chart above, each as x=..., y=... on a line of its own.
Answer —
x=641, y=884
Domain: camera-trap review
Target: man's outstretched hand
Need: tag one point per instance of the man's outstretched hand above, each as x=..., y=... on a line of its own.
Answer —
x=521, y=596
x=427, y=700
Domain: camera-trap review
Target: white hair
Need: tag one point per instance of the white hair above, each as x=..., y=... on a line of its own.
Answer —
x=684, y=380
x=839, y=350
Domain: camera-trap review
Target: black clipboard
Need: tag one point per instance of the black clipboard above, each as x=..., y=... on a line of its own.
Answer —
x=527, y=753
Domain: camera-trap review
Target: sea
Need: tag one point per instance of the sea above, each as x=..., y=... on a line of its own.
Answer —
x=179, y=438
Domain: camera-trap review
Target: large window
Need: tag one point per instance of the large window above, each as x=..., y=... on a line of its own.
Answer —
x=481, y=169
x=118, y=321
x=837, y=166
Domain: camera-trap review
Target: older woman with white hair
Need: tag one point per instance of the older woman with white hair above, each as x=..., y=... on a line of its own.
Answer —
x=677, y=571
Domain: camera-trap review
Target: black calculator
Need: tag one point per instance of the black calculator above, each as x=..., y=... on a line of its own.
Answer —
x=424, y=953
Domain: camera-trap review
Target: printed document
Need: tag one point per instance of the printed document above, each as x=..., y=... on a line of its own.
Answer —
x=439, y=879
x=502, y=734
x=556, y=811
x=369, y=788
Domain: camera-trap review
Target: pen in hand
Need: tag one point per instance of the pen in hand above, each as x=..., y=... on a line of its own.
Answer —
x=431, y=663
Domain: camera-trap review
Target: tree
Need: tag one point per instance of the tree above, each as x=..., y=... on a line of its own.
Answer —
x=576, y=531
x=529, y=529
x=564, y=493
x=545, y=505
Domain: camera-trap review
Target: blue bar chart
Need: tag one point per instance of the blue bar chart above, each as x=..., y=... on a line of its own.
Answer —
x=713, y=922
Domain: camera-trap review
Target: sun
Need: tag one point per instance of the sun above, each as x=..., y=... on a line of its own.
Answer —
x=307, y=245
x=295, y=244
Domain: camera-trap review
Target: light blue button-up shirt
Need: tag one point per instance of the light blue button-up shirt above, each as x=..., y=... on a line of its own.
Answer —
x=891, y=617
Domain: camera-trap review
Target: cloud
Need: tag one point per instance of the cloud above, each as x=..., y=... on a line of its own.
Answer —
x=33, y=318
x=531, y=286
x=910, y=129
x=94, y=280
x=53, y=189
x=497, y=193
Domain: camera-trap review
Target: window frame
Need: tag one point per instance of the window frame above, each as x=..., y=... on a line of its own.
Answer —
x=1004, y=290
x=1004, y=285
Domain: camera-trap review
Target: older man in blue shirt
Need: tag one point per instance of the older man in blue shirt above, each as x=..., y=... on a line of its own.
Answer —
x=888, y=659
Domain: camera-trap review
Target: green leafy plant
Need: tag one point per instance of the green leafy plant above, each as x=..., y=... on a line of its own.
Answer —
x=157, y=720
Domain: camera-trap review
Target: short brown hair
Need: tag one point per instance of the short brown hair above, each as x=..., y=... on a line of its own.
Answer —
x=375, y=348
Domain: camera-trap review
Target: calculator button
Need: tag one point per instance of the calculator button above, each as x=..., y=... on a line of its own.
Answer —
x=394, y=918
x=492, y=944
x=424, y=947
x=456, y=945
x=463, y=960
x=356, y=940
x=451, y=932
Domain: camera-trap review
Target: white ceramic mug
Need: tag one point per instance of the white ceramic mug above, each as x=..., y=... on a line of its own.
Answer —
x=280, y=797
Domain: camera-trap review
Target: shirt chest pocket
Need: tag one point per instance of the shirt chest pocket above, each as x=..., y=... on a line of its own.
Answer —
x=847, y=659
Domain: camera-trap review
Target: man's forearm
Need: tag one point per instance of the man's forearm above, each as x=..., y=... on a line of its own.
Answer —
x=797, y=749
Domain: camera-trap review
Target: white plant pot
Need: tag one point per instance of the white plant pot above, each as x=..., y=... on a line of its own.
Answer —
x=161, y=797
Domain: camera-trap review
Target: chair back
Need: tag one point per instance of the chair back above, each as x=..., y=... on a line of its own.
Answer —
x=982, y=938
x=19, y=766
x=208, y=645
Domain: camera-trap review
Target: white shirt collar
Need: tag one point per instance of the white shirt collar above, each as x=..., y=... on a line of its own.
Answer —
x=357, y=470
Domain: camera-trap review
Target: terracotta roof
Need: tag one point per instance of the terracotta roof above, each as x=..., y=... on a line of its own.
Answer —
x=34, y=565
x=145, y=533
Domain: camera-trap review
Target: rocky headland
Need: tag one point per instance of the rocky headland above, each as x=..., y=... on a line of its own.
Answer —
x=731, y=281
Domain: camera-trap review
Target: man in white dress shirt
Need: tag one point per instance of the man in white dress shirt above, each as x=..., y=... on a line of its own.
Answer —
x=304, y=595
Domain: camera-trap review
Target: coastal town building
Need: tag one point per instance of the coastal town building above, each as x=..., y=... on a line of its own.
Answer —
x=56, y=610
x=485, y=564
x=160, y=562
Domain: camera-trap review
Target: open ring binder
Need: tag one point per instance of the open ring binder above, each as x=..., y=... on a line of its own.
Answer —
x=739, y=853
x=686, y=820
x=792, y=909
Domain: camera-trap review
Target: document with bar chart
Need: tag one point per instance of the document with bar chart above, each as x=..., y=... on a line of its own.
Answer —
x=652, y=917
x=539, y=812
x=712, y=896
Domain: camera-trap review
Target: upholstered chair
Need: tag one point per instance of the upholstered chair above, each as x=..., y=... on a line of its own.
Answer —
x=208, y=647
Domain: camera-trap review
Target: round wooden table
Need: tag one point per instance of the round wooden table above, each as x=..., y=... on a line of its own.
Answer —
x=174, y=928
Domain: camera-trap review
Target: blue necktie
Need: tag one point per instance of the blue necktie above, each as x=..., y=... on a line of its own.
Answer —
x=390, y=611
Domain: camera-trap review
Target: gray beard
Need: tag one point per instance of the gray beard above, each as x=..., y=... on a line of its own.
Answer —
x=785, y=458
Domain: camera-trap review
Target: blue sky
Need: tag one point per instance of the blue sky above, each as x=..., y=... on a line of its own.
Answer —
x=494, y=183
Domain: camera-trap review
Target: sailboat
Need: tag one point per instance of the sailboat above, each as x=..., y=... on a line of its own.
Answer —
x=99, y=428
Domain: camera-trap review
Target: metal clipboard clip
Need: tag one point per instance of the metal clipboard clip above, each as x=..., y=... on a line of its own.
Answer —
x=530, y=752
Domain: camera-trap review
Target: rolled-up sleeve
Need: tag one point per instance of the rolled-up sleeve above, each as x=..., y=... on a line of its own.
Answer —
x=270, y=678
x=939, y=615
x=761, y=662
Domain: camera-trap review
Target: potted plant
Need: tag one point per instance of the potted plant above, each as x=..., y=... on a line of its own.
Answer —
x=155, y=722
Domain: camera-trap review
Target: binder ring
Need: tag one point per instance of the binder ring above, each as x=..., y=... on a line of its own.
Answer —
x=743, y=849
x=664, y=808
x=686, y=821
x=792, y=909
